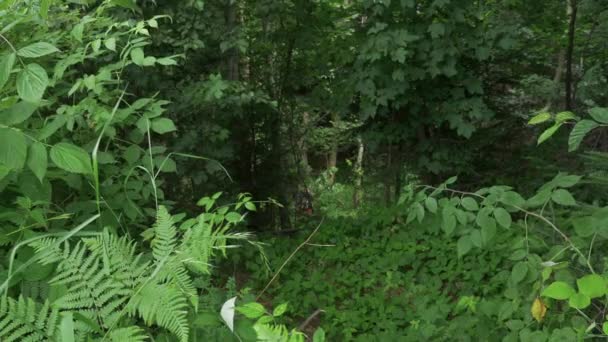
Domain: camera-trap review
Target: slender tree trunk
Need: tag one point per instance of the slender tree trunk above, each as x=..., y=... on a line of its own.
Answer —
x=388, y=181
x=357, y=195
x=572, y=10
x=332, y=161
x=232, y=21
x=557, y=78
x=304, y=147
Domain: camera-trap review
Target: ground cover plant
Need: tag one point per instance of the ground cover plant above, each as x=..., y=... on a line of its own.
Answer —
x=300, y=170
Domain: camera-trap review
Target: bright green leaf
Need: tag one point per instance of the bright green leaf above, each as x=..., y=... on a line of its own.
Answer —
x=17, y=113
x=36, y=50
x=563, y=197
x=565, y=116
x=579, y=301
x=319, y=335
x=579, y=132
x=469, y=204
x=548, y=133
x=110, y=44
x=137, y=56
x=6, y=66
x=37, y=160
x=431, y=204
x=13, y=148
x=558, y=290
x=163, y=125
x=32, y=82
x=71, y=158
x=599, y=114
x=252, y=310
x=279, y=310
x=502, y=217
x=592, y=285
x=539, y=118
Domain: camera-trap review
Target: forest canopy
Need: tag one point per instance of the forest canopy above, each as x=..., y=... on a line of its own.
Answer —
x=303, y=170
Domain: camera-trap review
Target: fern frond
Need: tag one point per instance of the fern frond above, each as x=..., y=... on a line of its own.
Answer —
x=164, y=305
x=164, y=235
x=131, y=334
x=24, y=319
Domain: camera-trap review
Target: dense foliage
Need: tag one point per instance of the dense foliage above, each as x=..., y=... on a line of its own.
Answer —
x=394, y=170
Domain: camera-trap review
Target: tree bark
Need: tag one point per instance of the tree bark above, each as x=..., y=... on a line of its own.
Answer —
x=572, y=10
x=332, y=161
x=357, y=195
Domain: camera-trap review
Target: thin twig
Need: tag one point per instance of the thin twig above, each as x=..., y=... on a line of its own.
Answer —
x=309, y=319
x=289, y=258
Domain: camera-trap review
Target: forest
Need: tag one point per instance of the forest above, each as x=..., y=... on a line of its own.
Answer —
x=303, y=170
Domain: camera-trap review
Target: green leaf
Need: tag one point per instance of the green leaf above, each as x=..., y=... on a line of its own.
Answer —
x=132, y=154
x=519, y=272
x=17, y=113
x=71, y=158
x=599, y=114
x=163, y=125
x=558, y=290
x=37, y=160
x=464, y=245
x=279, y=310
x=431, y=204
x=592, y=285
x=565, y=116
x=110, y=44
x=250, y=206
x=512, y=198
x=319, y=335
x=137, y=56
x=469, y=204
x=579, y=132
x=548, y=133
x=44, y=8
x=476, y=238
x=32, y=82
x=539, y=118
x=449, y=222
x=149, y=61
x=585, y=226
x=605, y=328
x=233, y=217
x=6, y=66
x=502, y=217
x=13, y=148
x=36, y=50
x=167, y=61
x=252, y=310
x=579, y=301
x=563, y=197
x=488, y=230
x=564, y=180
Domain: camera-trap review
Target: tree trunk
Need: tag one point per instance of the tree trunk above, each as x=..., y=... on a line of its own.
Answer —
x=388, y=181
x=572, y=10
x=358, y=170
x=232, y=21
x=332, y=161
x=304, y=147
x=557, y=78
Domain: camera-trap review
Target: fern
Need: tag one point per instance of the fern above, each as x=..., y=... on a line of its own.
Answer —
x=131, y=334
x=110, y=286
x=165, y=239
x=163, y=305
x=25, y=320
